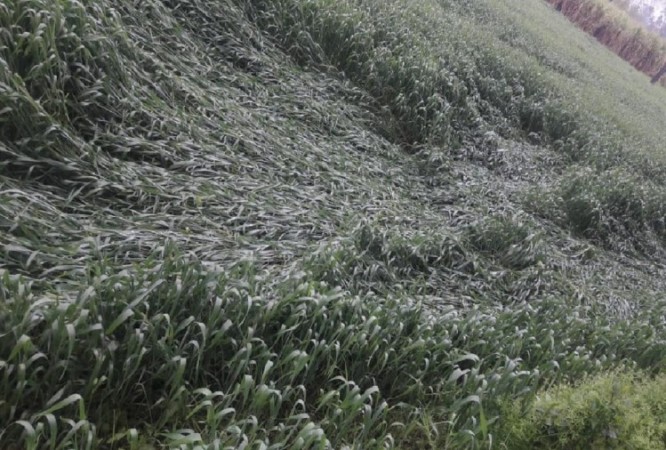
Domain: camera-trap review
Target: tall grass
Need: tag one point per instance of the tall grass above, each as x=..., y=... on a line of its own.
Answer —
x=434, y=92
x=172, y=354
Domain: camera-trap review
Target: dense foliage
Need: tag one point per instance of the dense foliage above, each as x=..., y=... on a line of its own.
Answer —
x=322, y=224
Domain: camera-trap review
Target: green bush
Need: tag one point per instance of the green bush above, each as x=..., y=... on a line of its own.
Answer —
x=609, y=411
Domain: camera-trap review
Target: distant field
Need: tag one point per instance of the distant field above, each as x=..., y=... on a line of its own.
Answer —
x=313, y=224
x=597, y=80
x=614, y=27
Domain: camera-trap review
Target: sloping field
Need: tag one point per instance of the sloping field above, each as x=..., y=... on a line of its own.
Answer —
x=311, y=224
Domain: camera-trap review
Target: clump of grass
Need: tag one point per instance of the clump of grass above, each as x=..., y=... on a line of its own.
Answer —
x=512, y=241
x=414, y=251
x=614, y=410
x=609, y=206
x=377, y=259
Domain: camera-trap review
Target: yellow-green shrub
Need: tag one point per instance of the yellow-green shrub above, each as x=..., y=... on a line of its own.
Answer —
x=616, y=410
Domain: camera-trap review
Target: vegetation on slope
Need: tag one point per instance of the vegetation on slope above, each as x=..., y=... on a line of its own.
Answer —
x=318, y=224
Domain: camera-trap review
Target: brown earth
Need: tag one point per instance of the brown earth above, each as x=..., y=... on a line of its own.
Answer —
x=644, y=50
